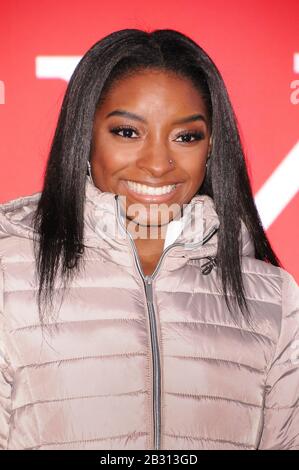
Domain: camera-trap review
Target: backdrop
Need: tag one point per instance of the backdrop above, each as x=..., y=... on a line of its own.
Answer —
x=255, y=44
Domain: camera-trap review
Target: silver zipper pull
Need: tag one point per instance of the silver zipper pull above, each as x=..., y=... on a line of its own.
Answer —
x=149, y=290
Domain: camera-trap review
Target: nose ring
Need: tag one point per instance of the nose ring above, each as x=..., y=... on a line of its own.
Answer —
x=170, y=161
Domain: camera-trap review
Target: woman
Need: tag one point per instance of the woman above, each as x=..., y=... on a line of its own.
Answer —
x=142, y=304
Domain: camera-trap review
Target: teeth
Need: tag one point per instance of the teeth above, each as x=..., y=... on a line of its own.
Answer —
x=143, y=189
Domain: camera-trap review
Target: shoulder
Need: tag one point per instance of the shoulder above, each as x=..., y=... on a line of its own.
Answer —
x=16, y=225
x=272, y=292
x=290, y=295
x=17, y=205
x=267, y=274
x=263, y=279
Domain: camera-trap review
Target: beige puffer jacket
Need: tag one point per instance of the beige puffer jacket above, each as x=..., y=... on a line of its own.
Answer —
x=135, y=364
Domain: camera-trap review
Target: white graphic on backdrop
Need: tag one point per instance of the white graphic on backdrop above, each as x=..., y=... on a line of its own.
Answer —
x=56, y=66
x=284, y=182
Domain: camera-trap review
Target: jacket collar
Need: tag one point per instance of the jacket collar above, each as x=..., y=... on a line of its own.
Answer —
x=198, y=239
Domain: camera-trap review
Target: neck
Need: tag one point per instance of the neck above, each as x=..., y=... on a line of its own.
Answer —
x=146, y=233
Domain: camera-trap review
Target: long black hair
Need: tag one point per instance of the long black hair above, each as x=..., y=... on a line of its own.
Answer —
x=59, y=218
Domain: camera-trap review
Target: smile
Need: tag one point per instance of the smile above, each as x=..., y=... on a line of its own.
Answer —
x=150, y=190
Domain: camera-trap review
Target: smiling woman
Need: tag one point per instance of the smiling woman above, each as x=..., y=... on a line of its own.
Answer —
x=142, y=122
x=141, y=303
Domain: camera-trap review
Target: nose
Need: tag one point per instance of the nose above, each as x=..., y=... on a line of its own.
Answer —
x=154, y=159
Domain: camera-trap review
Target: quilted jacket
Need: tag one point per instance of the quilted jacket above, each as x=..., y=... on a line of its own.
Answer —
x=145, y=362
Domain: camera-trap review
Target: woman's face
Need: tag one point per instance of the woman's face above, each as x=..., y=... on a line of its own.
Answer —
x=146, y=120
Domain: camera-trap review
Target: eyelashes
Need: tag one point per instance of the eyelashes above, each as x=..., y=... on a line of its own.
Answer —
x=128, y=130
x=197, y=135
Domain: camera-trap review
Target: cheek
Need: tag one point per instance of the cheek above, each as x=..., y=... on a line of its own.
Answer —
x=196, y=169
x=101, y=164
x=103, y=159
x=111, y=158
x=196, y=173
x=111, y=147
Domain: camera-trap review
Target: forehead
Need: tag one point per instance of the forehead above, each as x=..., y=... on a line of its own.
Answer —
x=153, y=90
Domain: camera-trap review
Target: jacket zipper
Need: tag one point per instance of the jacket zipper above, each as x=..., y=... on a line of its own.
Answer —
x=147, y=281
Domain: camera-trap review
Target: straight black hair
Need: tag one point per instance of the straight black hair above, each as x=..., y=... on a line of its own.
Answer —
x=59, y=220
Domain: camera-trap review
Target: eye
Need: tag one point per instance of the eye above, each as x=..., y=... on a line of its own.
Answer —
x=187, y=136
x=127, y=131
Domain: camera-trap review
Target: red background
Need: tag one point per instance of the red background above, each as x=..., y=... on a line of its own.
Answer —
x=252, y=42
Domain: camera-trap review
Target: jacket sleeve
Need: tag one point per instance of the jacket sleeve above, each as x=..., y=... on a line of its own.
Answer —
x=5, y=386
x=281, y=407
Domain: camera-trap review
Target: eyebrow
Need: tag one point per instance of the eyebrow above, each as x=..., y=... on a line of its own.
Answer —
x=136, y=117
